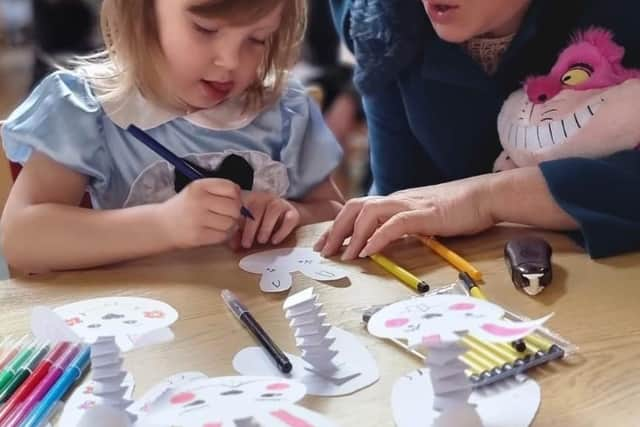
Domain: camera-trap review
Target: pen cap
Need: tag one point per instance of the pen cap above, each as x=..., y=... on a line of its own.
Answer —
x=233, y=303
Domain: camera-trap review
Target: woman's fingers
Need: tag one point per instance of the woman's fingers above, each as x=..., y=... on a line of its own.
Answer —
x=372, y=214
x=342, y=227
x=401, y=224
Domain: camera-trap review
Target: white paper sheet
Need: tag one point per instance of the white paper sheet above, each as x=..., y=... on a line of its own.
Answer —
x=352, y=358
x=83, y=399
x=140, y=406
x=232, y=402
x=133, y=321
x=276, y=267
x=506, y=404
x=446, y=318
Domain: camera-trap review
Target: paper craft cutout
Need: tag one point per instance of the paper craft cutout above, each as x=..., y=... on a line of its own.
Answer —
x=103, y=416
x=83, y=399
x=438, y=322
x=445, y=317
x=141, y=406
x=507, y=404
x=133, y=322
x=47, y=325
x=232, y=402
x=332, y=362
x=108, y=374
x=277, y=265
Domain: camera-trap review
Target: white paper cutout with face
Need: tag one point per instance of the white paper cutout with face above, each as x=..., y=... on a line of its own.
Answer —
x=277, y=265
x=232, y=401
x=127, y=318
x=446, y=318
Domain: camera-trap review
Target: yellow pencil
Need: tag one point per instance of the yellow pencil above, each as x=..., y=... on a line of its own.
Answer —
x=400, y=273
x=453, y=258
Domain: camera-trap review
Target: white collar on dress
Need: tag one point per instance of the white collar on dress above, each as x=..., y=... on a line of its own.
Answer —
x=137, y=110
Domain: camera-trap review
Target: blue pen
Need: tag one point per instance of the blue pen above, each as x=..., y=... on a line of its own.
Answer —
x=182, y=166
x=44, y=409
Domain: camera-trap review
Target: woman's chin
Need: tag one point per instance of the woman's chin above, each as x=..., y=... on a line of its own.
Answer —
x=452, y=34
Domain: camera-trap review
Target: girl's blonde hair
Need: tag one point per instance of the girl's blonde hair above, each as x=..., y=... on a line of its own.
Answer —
x=133, y=58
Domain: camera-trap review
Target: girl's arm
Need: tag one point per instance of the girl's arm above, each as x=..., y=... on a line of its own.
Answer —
x=44, y=229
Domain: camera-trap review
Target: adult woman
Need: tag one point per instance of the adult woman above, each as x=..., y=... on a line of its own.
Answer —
x=433, y=75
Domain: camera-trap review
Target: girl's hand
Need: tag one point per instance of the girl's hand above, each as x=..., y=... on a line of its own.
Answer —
x=206, y=212
x=275, y=219
x=453, y=208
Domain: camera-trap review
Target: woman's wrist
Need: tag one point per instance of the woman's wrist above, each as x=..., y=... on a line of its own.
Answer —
x=522, y=196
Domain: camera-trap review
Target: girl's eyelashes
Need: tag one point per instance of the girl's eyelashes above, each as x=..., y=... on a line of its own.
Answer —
x=204, y=30
x=258, y=41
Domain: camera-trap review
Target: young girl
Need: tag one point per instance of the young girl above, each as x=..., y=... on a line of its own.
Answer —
x=206, y=78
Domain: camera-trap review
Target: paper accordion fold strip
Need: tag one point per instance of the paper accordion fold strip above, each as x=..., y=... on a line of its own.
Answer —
x=332, y=362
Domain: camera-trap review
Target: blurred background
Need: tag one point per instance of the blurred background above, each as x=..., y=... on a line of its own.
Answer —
x=36, y=33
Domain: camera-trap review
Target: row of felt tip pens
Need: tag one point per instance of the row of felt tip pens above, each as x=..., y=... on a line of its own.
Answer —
x=35, y=376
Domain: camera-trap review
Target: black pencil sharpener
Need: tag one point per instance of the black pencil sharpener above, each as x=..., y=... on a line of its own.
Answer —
x=529, y=262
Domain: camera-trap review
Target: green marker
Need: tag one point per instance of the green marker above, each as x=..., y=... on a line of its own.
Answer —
x=23, y=372
x=6, y=376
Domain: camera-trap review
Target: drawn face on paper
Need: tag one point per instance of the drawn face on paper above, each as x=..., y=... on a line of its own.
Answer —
x=438, y=318
x=276, y=267
x=116, y=316
x=224, y=398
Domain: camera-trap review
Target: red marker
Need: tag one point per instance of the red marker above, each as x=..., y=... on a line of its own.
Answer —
x=34, y=379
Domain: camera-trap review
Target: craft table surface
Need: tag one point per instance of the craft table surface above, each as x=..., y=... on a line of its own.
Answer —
x=596, y=305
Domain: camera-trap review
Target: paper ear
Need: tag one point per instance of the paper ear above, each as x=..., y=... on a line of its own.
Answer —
x=275, y=280
x=507, y=331
x=323, y=272
x=47, y=325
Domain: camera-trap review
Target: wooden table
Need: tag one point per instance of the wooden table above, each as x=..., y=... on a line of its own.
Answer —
x=597, y=306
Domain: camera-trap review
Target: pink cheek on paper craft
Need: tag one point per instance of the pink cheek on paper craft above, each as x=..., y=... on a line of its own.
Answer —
x=431, y=340
x=155, y=314
x=462, y=306
x=501, y=331
x=86, y=405
x=277, y=386
x=73, y=321
x=396, y=323
x=290, y=419
x=212, y=425
x=181, y=398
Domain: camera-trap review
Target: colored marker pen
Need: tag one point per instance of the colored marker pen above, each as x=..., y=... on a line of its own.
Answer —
x=34, y=379
x=39, y=391
x=24, y=371
x=73, y=372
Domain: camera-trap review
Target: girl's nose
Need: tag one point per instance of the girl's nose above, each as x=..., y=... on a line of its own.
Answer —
x=227, y=57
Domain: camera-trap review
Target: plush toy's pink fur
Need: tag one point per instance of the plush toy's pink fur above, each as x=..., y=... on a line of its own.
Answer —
x=593, y=48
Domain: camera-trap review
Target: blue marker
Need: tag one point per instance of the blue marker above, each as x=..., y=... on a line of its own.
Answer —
x=182, y=166
x=43, y=411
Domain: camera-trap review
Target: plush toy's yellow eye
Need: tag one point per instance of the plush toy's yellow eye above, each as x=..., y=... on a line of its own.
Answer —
x=577, y=74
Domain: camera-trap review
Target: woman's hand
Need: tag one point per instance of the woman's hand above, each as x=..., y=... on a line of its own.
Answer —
x=466, y=206
x=453, y=208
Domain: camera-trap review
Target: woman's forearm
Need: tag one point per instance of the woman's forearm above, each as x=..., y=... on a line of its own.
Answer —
x=522, y=196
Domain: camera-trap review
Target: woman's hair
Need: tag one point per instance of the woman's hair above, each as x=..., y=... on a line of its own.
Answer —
x=133, y=57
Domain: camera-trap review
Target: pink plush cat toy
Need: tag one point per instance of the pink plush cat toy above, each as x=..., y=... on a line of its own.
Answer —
x=587, y=106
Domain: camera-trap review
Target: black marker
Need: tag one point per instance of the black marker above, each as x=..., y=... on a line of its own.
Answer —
x=241, y=312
